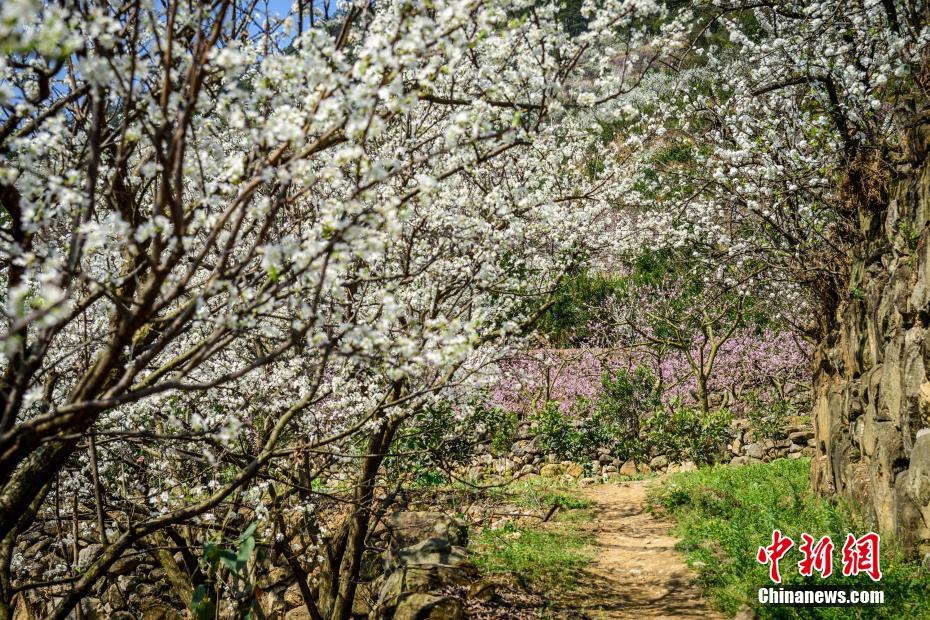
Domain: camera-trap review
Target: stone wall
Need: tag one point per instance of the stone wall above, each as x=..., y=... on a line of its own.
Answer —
x=527, y=456
x=871, y=390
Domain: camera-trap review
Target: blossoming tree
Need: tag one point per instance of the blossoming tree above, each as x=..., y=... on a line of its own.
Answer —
x=233, y=256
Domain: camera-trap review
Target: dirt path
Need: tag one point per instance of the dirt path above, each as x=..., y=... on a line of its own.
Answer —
x=636, y=573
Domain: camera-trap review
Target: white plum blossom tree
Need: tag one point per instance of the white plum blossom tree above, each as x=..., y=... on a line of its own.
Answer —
x=232, y=255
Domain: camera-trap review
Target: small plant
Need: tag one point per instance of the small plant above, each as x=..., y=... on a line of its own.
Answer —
x=226, y=572
x=768, y=417
x=685, y=433
x=558, y=434
x=544, y=559
x=628, y=397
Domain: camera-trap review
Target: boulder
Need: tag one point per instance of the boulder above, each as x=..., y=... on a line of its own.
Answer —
x=125, y=565
x=575, y=470
x=157, y=610
x=628, y=468
x=406, y=528
x=431, y=551
x=416, y=606
x=737, y=461
x=551, y=470
x=754, y=450
x=658, y=462
x=292, y=596
x=801, y=436
x=88, y=554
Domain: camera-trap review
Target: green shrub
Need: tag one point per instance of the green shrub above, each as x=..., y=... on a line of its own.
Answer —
x=557, y=434
x=768, y=417
x=686, y=434
x=438, y=437
x=627, y=398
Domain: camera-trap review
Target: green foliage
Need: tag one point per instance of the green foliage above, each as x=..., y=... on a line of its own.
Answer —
x=768, y=416
x=558, y=434
x=573, y=314
x=543, y=559
x=626, y=399
x=687, y=434
x=226, y=573
x=437, y=437
x=628, y=419
x=725, y=514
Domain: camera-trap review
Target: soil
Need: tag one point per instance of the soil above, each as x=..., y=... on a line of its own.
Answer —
x=636, y=573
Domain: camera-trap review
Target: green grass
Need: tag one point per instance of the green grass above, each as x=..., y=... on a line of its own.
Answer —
x=543, y=556
x=725, y=514
x=543, y=559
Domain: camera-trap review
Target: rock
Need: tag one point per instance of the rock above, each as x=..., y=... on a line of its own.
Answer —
x=575, y=470
x=482, y=591
x=609, y=470
x=795, y=455
x=527, y=470
x=551, y=470
x=925, y=563
x=157, y=610
x=586, y=482
x=642, y=468
x=688, y=466
x=292, y=596
x=658, y=462
x=420, y=579
x=736, y=446
x=431, y=551
x=34, y=550
x=415, y=606
x=754, y=450
x=628, y=468
x=125, y=565
x=298, y=613
x=738, y=461
x=272, y=604
x=406, y=528
x=503, y=466
x=801, y=436
x=274, y=576
x=88, y=554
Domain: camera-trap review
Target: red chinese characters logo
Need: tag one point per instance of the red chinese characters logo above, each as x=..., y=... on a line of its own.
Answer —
x=859, y=555
x=773, y=553
x=817, y=557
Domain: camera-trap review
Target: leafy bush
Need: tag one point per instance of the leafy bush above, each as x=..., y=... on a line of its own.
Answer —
x=724, y=514
x=439, y=436
x=626, y=400
x=768, y=417
x=686, y=434
x=558, y=434
x=613, y=421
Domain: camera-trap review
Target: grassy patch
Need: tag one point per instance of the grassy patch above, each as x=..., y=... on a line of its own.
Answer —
x=725, y=514
x=544, y=556
x=544, y=559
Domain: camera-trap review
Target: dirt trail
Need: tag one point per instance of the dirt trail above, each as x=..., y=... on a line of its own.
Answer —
x=636, y=573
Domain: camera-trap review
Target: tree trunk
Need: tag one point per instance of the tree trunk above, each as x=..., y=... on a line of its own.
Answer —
x=339, y=574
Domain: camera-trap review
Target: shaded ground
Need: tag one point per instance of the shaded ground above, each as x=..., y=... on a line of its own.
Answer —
x=636, y=572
